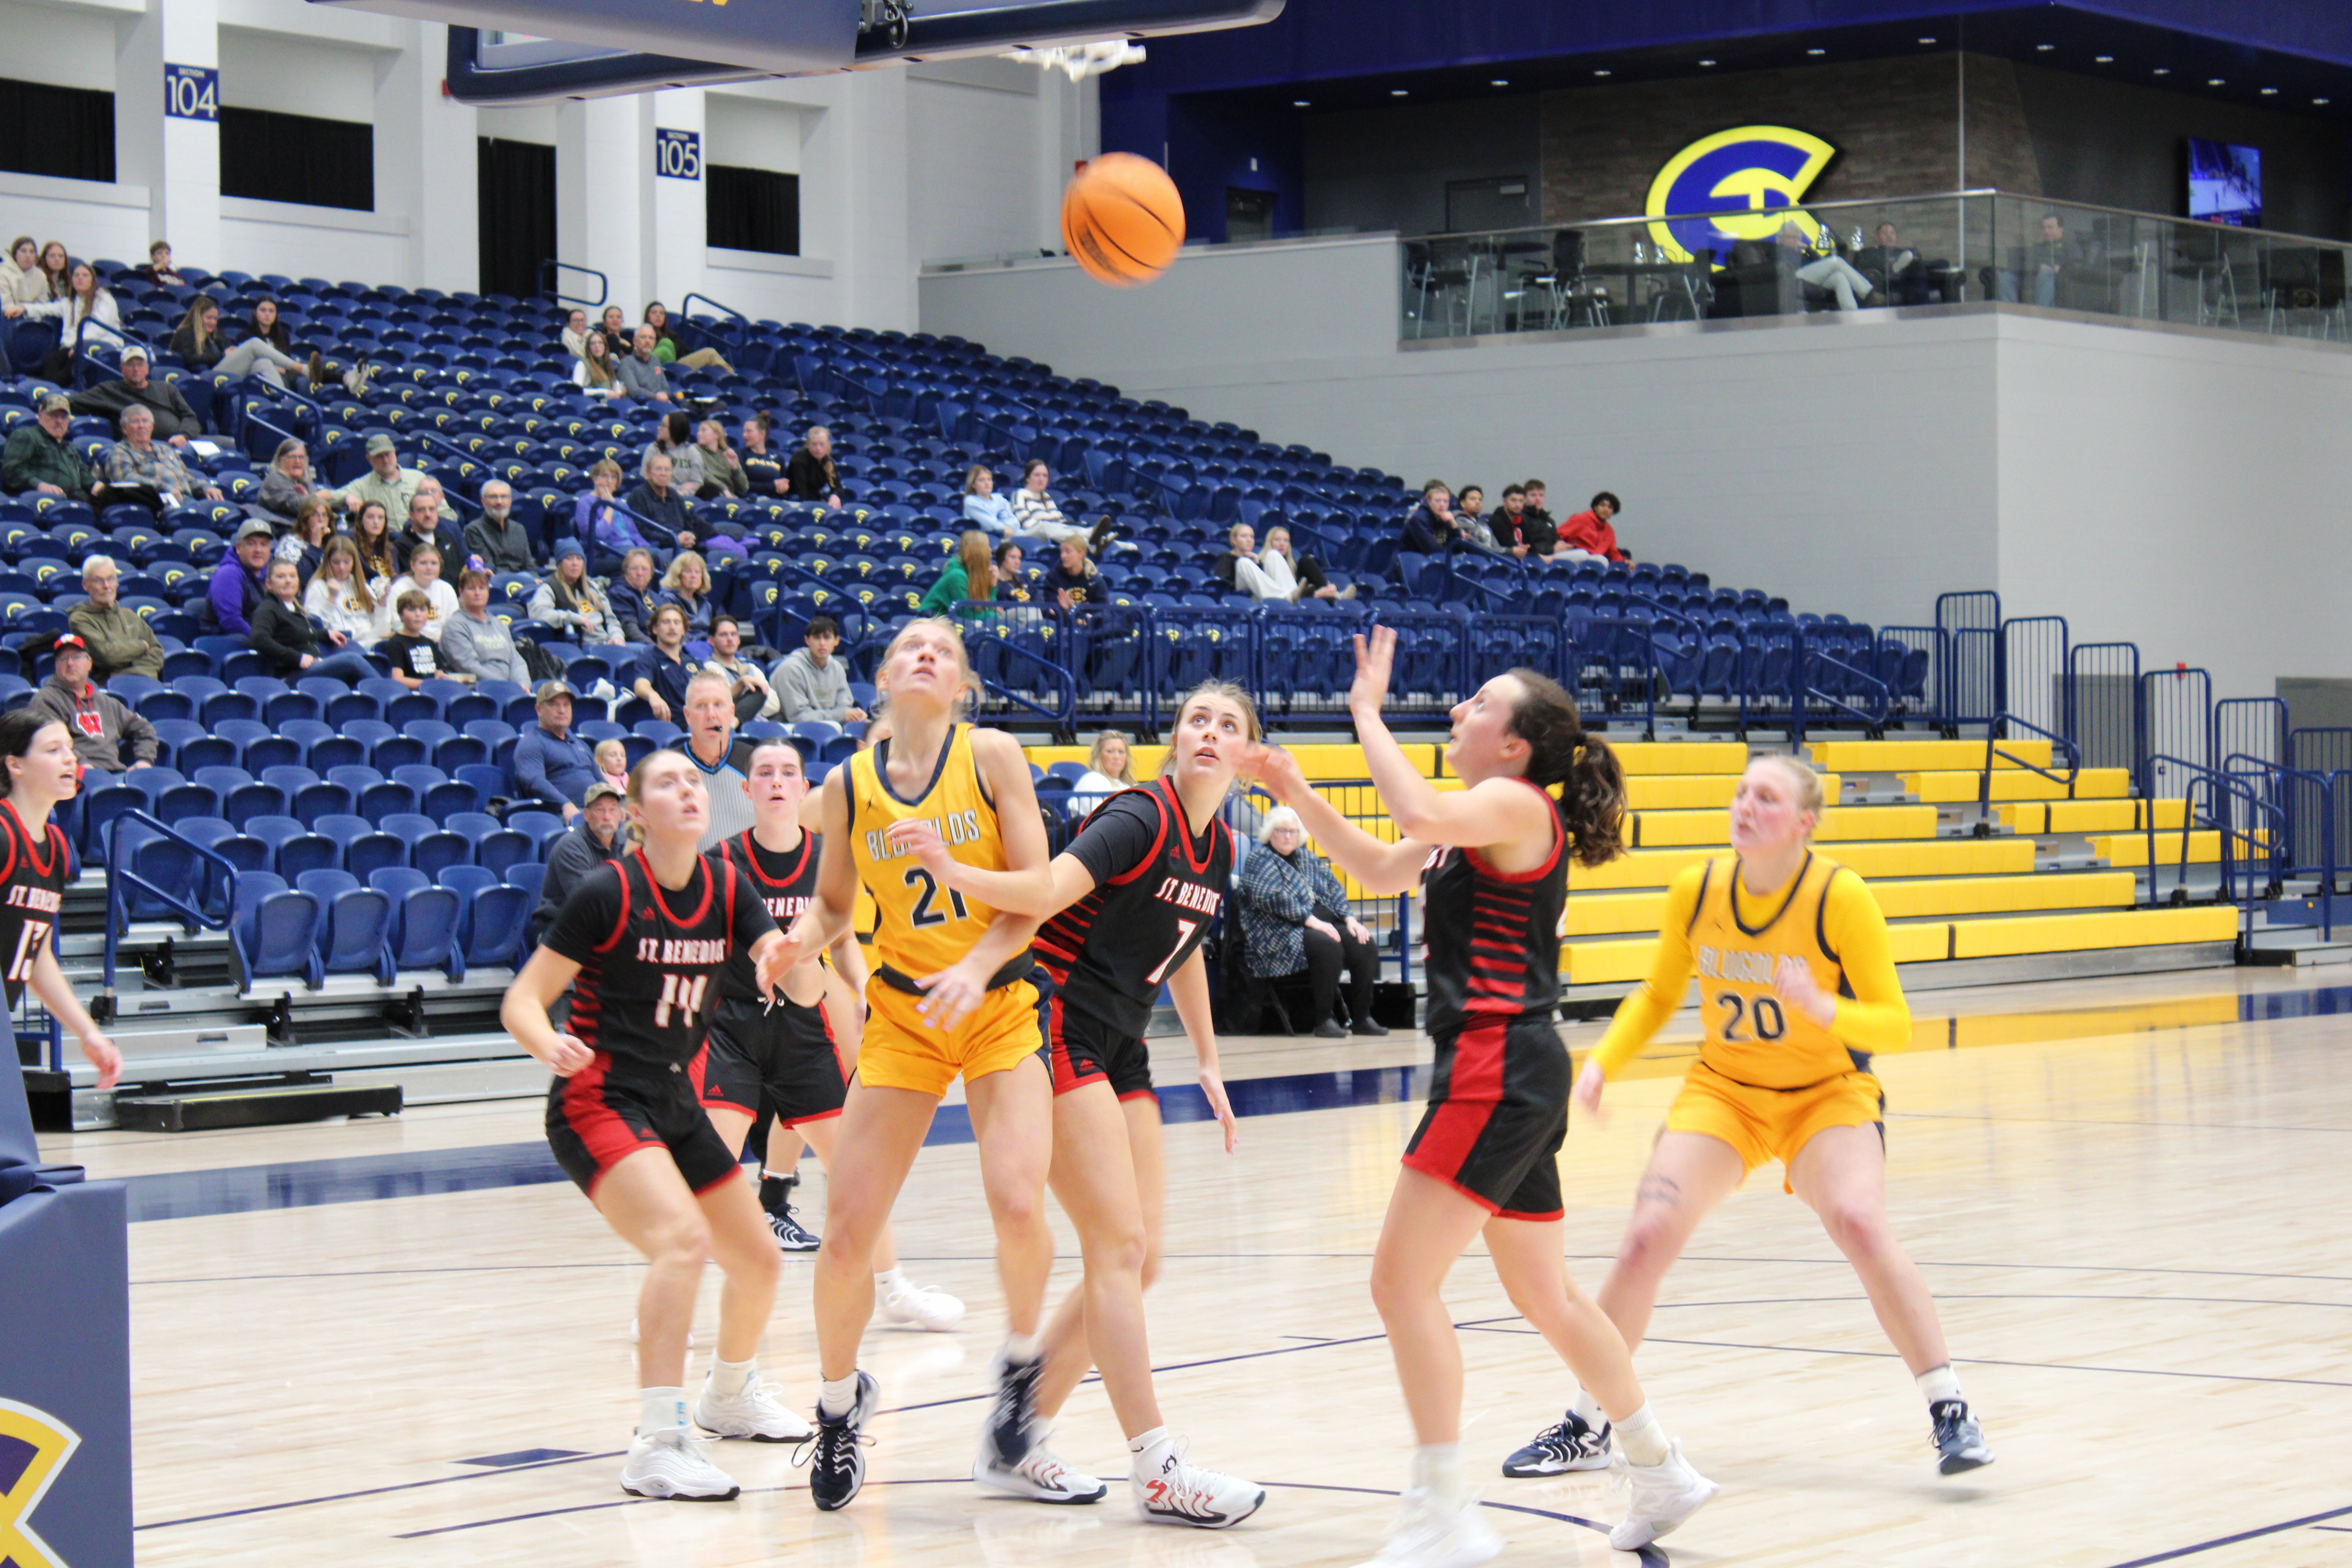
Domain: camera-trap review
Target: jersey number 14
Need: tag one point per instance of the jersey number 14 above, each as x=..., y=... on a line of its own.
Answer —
x=684, y=993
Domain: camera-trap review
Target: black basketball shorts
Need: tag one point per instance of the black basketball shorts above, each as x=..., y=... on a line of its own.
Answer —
x=786, y=1053
x=1081, y=1049
x=1497, y=1115
x=596, y=1119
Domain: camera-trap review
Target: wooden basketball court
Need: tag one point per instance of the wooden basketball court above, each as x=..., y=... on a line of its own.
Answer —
x=397, y=1342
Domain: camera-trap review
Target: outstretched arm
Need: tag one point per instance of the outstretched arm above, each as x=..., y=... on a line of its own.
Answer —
x=1381, y=869
x=1494, y=812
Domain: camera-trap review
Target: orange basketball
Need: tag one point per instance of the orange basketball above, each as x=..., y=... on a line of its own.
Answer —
x=1122, y=220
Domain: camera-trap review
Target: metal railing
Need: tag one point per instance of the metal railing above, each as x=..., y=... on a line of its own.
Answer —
x=1995, y=733
x=2295, y=855
x=551, y=278
x=120, y=879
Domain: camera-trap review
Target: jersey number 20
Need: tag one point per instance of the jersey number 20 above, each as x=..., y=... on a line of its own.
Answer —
x=1770, y=1022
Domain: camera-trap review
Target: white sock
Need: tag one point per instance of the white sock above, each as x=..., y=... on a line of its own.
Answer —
x=1643, y=1440
x=1588, y=1410
x=1023, y=1347
x=1437, y=1470
x=1146, y=1449
x=728, y=1377
x=886, y=1279
x=660, y=1410
x=1939, y=1384
x=837, y=1395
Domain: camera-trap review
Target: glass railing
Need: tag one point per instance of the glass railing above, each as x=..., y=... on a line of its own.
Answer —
x=1859, y=255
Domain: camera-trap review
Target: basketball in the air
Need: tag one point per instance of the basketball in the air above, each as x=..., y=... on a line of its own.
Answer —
x=1122, y=220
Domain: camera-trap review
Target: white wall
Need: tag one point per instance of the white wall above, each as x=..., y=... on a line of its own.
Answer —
x=58, y=45
x=298, y=75
x=752, y=133
x=964, y=115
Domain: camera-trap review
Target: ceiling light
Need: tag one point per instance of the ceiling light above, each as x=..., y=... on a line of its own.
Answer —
x=2319, y=102
x=2269, y=92
x=1707, y=62
x=1600, y=73
x=1816, y=51
x=2164, y=71
x=1396, y=92
x=2105, y=59
x=1298, y=103
x=2043, y=48
x=2215, y=81
x=1499, y=81
x=1927, y=41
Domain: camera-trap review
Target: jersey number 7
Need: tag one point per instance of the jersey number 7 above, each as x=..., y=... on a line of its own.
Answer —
x=29, y=938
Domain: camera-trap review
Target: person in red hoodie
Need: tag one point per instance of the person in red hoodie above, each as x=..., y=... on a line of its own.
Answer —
x=1592, y=530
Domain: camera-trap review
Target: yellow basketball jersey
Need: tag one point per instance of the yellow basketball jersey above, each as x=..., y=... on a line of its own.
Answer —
x=921, y=928
x=1737, y=941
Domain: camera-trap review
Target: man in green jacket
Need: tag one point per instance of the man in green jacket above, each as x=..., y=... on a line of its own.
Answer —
x=37, y=457
x=121, y=641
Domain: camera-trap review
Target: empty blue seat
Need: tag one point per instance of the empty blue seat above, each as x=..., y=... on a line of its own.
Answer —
x=386, y=798
x=424, y=930
x=497, y=923
x=451, y=796
x=542, y=827
x=531, y=875
x=354, y=938
x=273, y=930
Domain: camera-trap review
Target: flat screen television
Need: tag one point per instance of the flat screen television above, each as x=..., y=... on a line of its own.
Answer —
x=2225, y=183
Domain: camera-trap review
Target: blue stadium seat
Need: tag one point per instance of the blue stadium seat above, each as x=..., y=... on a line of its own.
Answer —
x=531, y=875
x=542, y=827
x=497, y=923
x=273, y=931
x=355, y=935
x=386, y=798
x=167, y=863
x=425, y=928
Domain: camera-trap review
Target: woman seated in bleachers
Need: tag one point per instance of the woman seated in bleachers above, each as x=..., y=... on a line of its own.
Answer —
x=574, y=336
x=982, y=507
x=764, y=467
x=1011, y=586
x=476, y=642
x=199, y=345
x=267, y=325
x=1035, y=513
x=372, y=540
x=723, y=473
x=571, y=600
x=424, y=575
x=811, y=473
x=1238, y=569
x=314, y=524
x=1304, y=573
x=1294, y=920
x=597, y=520
x=594, y=371
x=667, y=669
x=673, y=439
x=1108, y=771
x=85, y=299
x=969, y=577
x=634, y=595
x=670, y=351
x=686, y=584
x=283, y=635
x=343, y=600
x=288, y=484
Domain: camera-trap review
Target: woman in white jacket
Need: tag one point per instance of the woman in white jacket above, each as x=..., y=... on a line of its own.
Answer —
x=338, y=595
x=86, y=300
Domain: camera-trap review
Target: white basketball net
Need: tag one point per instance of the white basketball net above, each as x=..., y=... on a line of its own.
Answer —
x=1078, y=61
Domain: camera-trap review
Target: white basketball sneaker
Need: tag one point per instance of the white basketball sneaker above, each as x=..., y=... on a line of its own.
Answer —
x=923, y=1307
x=1171, y=1489
x=1428, y=1534
x=672, y=1465
x=1665, y=1494
x=1040, y=1477
x=757, y=1412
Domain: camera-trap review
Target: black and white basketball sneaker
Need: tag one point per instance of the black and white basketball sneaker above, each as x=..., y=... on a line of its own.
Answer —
x=790, y=1235
x=837, y=1455
x=1011, y=1429
x=1959, y=1442
x=1570, y=1445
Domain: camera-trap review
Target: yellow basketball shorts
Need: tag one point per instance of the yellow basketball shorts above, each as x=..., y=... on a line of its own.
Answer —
x=1767, y=1124
x=902, y=1049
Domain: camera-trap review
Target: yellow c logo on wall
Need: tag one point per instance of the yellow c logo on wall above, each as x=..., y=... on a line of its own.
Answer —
x=33, y=1447
x=1765, y=170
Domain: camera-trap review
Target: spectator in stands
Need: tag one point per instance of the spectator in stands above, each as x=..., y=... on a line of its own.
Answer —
x=811, y=683
x=1429, y=529
x=1035, y=513
x=673, y=439
x=307, y=545
x=120, y=642
x=174, y=420
x=670, y=351
x=1012, y=587
x=1074, y=580
x=425, y=526
x=495, y=538
x=1304, y=573
x=424, y=576
x=571, y=600
x=198, y=345
x=723, y=471
x=982, y=507
x=267, y=326
x=159, y=268
x=22, y=282
x=747, y=688
x=763, y=468
x=686, y=584
x=341, y=597
x=594, y=840
x=287, y=483
x=723, y=758
x=143, y=469
x=597, y=522
x=633, y=596
x=283, y=635
x=657, y=501
x=237, y=585
x=371, y=539
x=1833, y=272
x=596, y=370
x=1590, y=531
x=615, y=324
x=612, y=763
x=1108, y=771
x=667, y=669
x=552, y=765
x=2050, y=257
x=102, y=725
x=1470, y=517
x=1239, y=570
x=37, y=457
x=642, y=376
x=1514, y=533
x=1295, y=916
x=85, y=301
x=971, y=575
x=811, y=474
x=1893, y=267
x=415, y=657
x=385, y=480
x=57, y=269
x=1535, y=507
x=574, y=336
x=476, y=644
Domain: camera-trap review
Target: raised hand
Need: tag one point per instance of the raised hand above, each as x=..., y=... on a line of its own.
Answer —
x=1375, y=657
x=1276, y=769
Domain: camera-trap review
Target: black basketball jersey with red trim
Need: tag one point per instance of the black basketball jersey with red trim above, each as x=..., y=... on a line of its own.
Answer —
x=31, y=889
x=783, y=884
x=1157, y=892
x=1493, y=940
x=651, y=960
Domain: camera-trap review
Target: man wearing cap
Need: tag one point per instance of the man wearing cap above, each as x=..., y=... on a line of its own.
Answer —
x=39, y=458
x=594, y=838
x=154, y=472
x=121, y=641
x=388, y=483
x=101, y=724
x=237, y=584
x=174, y=420
x=551, y=764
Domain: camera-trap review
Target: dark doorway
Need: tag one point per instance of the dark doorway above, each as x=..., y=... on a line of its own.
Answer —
x=515, y=211
x=1249, y=215
x=300, y=158
x=1500, y=200
x=752, y=209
